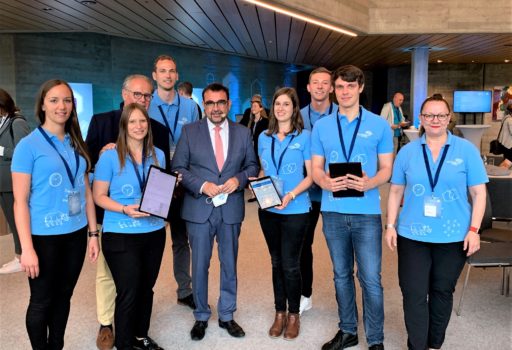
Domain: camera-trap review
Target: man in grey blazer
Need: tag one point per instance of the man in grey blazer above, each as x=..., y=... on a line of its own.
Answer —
x=216, y=158
x=392, y=112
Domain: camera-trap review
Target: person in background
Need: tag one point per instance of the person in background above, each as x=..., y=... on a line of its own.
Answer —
x=392, y=112
x=13, y=127
x=102, y=134
x=215, y=173
x=185, y=89
x=352, y=225
x=174, y=111
x=284, y=151
x=437, y=227
x=53, y=208
x=505, y=138
x=133, y=242
x=246, y=118
x=320, y=89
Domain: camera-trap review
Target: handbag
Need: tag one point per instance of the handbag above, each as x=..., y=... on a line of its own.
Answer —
x=495, y=147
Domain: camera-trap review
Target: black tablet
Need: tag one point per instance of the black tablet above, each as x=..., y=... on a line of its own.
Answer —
x=157, y=194
x=342, y=169
x=265, y=192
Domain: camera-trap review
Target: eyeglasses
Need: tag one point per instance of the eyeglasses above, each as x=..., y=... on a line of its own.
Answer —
x=440, y=117
x=138, y=95
x=219, y=103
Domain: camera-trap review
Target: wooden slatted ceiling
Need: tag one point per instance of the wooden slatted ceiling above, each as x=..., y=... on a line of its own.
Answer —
x=236, y=27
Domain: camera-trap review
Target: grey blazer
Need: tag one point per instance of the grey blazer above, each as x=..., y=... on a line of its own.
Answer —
x=195, y=159
x=20, y=129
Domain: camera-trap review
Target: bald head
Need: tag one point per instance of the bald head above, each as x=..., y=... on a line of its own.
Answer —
x=398, y=99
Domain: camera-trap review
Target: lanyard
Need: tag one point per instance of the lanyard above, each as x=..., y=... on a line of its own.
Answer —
x=278, y=166
x=171, y=132
x=309, y=114
x=347, y=157
x=136, y=169
x=433, y=183
x=68, y=170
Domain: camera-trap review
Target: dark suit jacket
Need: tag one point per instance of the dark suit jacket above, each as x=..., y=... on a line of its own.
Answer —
x=195, y=159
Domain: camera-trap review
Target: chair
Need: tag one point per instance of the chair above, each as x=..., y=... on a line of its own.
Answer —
x=490, y=255
x=500, y=193
x=488, y=232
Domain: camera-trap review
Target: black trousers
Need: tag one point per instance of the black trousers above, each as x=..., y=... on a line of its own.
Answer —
x=134, y=260
x=61, y=258
x=284, y=234
x=428, y=273
x=306, y=257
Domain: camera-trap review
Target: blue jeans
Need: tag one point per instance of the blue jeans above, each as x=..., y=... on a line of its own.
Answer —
x=350, y=235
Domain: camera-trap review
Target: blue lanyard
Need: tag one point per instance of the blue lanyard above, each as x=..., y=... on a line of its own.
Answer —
x=278, y=166
x=142, y=180
x=347, y=157
x=68, y=170
x=433, y=182
x=309, y=114
x=171, y=132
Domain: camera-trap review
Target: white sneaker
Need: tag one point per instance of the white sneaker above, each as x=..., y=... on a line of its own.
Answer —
x=305, y=304
x=11, y=267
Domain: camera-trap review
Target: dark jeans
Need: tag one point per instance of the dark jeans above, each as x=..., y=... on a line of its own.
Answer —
x=285, y=234
x=428, y=273
x=61, y=258
x=134, y=260
x=306, y=257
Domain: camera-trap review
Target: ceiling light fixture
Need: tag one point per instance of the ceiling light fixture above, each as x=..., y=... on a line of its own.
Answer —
x=301, y=17
x=47, y=9
x=439, y=61
x=88, y=2
x=507, y=61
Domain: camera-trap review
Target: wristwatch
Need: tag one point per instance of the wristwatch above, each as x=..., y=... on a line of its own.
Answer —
x=390, y=226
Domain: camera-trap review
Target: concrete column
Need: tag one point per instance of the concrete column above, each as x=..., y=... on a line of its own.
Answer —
x=419, y=80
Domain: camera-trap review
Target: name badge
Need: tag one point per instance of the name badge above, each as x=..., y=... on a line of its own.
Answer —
x=432, y=207
x=74, y=207
x=279, y=184
x=219, y=199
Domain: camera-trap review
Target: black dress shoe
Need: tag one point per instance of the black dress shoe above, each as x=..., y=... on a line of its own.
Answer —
x=376, y=347
x=146, y=343
x=187, y=301
x=199, y=329
x=233, y=328
x=341, y=341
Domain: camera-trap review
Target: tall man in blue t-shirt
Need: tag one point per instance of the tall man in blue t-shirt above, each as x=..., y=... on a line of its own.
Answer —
x=174, y=112
x=352, y=225
x=320, y=88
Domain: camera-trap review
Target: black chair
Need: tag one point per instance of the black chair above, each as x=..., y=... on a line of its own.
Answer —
x=488, y=232
x=500, y=193
x=490, y=255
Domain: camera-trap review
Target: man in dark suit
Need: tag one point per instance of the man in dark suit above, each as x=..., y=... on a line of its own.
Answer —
x=103, y=130
x=216, y=158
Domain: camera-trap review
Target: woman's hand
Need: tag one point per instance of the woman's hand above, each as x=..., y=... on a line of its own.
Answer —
x=390, y=237
x=93, y=248
x=30, y=263
x=285, y=201
x=132, y=211
x=472, y=243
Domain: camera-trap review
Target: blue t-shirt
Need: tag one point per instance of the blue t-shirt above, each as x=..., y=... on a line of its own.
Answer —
x=461, y=169
x=310, y=117
x=291, y=172
x=373, y=138
x=50, y=185
x=125, y=189
x=185, y=108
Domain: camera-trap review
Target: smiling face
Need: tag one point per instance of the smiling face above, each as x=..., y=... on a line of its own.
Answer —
x=216, y=106
x=435, y=127
x=57, y=105
x=137, y=127
x=165, y=74
x=283, y=108
x=320, y=86
x=347, y=93
x=135, y=92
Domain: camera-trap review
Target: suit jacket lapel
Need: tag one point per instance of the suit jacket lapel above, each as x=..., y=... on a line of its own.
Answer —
x=231, y=142
x=205, y=135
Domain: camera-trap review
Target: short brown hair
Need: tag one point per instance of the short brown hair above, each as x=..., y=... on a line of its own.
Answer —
x=348, y=73
x=164, y=58
x=318, y=70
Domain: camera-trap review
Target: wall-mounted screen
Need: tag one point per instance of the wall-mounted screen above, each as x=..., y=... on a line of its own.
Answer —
x=472, y=101
x=84, y=106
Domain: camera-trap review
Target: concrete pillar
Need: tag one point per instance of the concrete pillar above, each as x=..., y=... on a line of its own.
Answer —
x=419, y=80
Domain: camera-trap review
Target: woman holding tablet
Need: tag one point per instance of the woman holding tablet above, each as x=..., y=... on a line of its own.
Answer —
x=53, y=209
x=284, y=151
x=133, y=242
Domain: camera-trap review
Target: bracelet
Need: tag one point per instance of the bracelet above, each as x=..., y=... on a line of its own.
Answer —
x=474, y=229
x=94, y=233
x=122, y=209
x=390, y=226
x=292, y=194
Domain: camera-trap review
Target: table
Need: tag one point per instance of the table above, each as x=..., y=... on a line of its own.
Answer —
x=412, y=134
x=473, y=132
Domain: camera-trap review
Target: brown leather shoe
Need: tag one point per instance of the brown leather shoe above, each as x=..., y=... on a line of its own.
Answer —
x=292, y=327
x=278, y=326
x=105, y=340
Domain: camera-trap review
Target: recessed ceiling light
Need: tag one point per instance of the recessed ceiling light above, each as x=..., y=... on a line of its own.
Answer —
x=439, y=61
x=507, y=61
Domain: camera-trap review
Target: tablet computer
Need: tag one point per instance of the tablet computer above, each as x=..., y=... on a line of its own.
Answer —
x=158, y=191
x=265, y=192
x=342, y=169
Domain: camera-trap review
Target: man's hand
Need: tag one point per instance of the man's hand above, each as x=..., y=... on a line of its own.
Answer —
x=211, y=190
x=230, y=186
x=358, y=183
x=336, y=184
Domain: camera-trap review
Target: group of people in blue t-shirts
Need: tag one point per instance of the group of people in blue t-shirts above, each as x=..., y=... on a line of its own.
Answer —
x=433, y=233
